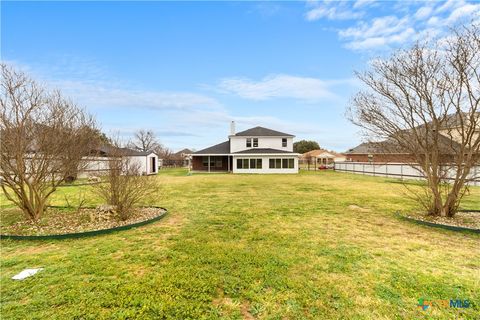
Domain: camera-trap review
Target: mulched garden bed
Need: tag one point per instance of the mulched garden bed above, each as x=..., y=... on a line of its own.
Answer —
x=64, y=221
x=462, y=219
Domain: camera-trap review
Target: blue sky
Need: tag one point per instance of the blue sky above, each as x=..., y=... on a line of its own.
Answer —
x=186, y=69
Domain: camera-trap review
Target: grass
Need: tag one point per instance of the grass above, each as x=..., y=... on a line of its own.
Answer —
x=318, y=245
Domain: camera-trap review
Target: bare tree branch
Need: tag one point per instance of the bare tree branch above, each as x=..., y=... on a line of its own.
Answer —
x=43, y=139
x=424, y=101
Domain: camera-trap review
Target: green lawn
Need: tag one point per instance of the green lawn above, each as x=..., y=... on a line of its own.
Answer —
x=318, y=245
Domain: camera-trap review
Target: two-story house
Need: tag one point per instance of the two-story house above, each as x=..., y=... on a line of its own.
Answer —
x=256, y=150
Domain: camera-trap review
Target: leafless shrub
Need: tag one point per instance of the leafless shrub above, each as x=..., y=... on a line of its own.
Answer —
x=124, y=186
x=43, y=139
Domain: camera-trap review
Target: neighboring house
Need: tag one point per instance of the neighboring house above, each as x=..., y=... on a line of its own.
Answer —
x=388, y=151
x=256, y=150
x=183, y=157
x=375, y=152
x=321, y=157
x=98, y=161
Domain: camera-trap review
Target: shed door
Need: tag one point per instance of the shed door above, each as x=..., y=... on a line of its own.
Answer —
x=153, y=165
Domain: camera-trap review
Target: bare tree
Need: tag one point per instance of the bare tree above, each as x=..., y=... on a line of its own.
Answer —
x=124, y=186
x=43, y=138
x=425, y=102
x=144, y=140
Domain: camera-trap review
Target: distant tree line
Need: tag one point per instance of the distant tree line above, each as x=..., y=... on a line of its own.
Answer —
x=303, y=146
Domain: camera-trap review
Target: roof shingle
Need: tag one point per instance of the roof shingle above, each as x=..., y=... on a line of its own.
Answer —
x=221, y=148
x=262, y=132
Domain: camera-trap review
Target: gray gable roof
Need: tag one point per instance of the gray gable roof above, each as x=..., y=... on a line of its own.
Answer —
x=221, y=148
x=107, y=150
x=262, y=132
x=363, y=148
x=185, y=151
x=262, y=150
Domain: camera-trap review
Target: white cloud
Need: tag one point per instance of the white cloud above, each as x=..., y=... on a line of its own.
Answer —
x=363, y=3
x=423, y=12
x=332, y=11
x=464, y=11
x=411, y=22
x=104, y=95
x=280, y=86
x=331, y=14
x=89, y=85
x=380, y=32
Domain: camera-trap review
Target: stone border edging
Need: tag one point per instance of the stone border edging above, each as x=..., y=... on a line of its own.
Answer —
x=86, y=233
x=436, y=225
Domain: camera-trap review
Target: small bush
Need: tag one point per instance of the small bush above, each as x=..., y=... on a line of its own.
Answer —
x=124, y=186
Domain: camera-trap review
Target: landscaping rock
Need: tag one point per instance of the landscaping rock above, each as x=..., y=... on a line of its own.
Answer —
x=104, y=212
x=86, y=219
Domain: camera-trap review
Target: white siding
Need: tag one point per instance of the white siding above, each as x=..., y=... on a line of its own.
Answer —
x=265, y=164
x=96, y=166
x=240, y=143
x=144, y=163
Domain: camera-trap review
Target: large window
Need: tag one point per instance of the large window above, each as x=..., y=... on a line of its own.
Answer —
x=249, y=142
x=284, y=142
x=255, y=142
x=249, y=163
x=271, y=163
x=281, y=163
x=291, y=163
x=255, y=163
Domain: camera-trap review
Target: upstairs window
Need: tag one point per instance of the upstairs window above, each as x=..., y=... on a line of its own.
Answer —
x=255, y=142
x=249, y=142
x=284, y=142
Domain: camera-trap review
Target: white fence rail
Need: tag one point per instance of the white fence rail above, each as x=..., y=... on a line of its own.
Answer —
x=395, y=170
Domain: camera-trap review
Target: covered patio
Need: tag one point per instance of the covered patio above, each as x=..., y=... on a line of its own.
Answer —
x=212, y=163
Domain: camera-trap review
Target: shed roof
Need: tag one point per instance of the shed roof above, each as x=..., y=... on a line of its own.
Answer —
x=107, y=150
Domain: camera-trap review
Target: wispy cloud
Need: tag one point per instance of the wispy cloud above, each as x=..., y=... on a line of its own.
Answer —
x=332, y=11
x=104, y=95
x=89, y=85
x=281, y=86
x=379, y=32
x=412, y=21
